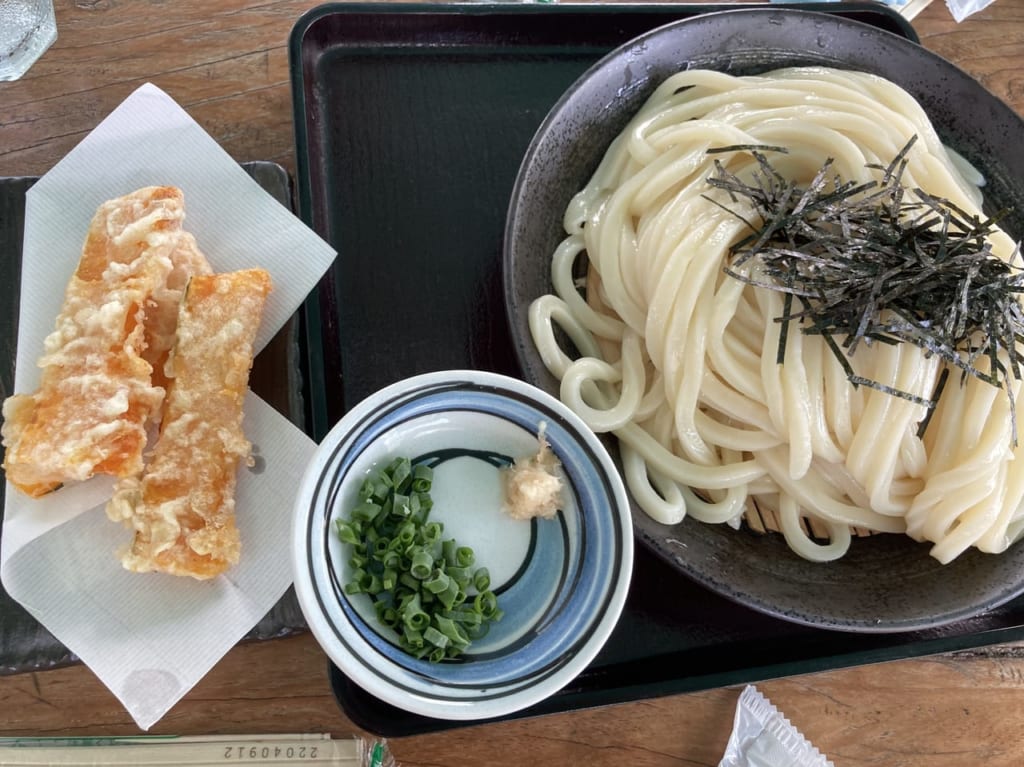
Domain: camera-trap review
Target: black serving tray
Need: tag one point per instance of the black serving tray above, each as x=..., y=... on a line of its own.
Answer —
x=411, y=122
x=25, y=645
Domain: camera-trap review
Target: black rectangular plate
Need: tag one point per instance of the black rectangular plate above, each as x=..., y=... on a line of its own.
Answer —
x=25, y=645
x=411, y=122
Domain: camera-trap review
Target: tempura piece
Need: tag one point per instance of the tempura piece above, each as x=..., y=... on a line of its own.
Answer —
x=162, y=310
x=182, y=507
x=96, y=393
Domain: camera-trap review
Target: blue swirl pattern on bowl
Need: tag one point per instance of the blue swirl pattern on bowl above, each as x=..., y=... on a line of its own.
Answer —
x=568, y=579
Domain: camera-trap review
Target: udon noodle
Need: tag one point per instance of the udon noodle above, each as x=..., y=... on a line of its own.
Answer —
x=678, y=360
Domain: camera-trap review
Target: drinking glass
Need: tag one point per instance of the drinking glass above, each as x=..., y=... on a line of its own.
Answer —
x=27, y=29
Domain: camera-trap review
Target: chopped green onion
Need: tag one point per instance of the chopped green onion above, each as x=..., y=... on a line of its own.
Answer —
x=464, y=556
x=437, y=582
x=400, y=505
x=460, y=575
x=426, y=503
x=366, y=511
x=422, y=478
x=355, y=584
x=386, y=614
x=451, y=629
x=422, y=564
x=407, y=533
x=401, y=470
x=478, y=630
x=358, y=560
x=417, y=581
x=481, y=579
x=346, y=532
x=413, y=614
x=370, y=583
x=432, y=532
x=449, y=597
x=448, y=552
x=413, y=638
x=435, y=637
x=485, y=603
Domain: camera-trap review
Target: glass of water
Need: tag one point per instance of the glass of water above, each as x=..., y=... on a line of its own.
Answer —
x=27, y=29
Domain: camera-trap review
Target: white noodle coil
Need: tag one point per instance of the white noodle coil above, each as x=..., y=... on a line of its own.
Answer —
x=678, y=359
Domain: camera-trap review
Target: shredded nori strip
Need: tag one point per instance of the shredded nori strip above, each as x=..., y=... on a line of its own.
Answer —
x=867, y=262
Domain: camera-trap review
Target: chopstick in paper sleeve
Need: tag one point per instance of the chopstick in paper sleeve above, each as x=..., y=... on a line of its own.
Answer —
x=271, y=750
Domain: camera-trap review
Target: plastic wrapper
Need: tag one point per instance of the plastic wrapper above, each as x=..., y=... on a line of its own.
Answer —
x=374, y=753
x=763, y=737
x=961, y=9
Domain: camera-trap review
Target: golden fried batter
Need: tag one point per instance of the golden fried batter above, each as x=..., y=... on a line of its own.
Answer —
x=182, y=507
x=97, y=393
x=162, y=309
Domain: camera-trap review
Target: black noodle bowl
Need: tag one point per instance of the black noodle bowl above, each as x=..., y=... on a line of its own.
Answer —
x=885, y=583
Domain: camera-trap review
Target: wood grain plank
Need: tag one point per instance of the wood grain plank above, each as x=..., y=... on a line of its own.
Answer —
x=226, y=62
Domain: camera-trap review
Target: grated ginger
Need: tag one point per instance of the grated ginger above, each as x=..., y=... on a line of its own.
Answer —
x=533, y=487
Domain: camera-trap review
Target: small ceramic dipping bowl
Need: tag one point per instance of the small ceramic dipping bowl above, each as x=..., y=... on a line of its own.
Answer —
x=560, y=582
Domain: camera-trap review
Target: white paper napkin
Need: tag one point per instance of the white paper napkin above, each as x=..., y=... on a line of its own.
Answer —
x=151, y=637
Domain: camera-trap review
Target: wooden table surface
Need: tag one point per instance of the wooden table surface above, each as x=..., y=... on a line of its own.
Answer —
x=226, y=62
